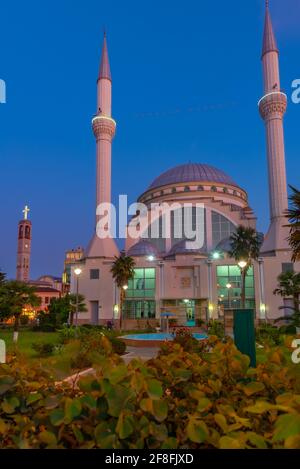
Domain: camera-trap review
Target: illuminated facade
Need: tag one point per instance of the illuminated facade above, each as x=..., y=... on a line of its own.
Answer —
x=169, y=275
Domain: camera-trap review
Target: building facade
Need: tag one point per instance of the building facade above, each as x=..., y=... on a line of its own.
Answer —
x=171, y=274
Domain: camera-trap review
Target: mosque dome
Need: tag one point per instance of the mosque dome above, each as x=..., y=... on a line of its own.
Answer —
x=192, y=172
x=143, y=248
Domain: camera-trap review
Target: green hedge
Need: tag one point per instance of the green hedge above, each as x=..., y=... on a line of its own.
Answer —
x=208, y=399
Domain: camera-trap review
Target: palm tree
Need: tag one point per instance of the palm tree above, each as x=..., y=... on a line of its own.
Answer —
x=289, y=286
x=293, y=214
x=245, y=246
x=122, y=270
x=14, y=297
x=74, y=303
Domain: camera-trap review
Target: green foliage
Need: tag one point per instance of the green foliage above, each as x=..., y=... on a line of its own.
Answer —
x=178, y=400
x=245, y=245
x=216, y=328
x=293, y=214
x=184, y=337
x=44, y=349
x=122, y=270
x=118, y=346
x=267, y=334
x=14, y=297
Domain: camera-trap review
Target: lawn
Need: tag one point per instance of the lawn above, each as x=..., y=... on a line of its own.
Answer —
x=58, y=364
x=26, y=339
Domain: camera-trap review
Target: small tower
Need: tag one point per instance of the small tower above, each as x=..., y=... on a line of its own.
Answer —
x=272, y=107
x=24, y=247
x=104, y=130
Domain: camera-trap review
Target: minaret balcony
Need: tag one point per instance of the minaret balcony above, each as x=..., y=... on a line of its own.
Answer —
x=272, y=105
x=103, y=126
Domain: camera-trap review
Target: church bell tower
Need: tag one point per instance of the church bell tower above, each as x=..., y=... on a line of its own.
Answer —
x=24, y=247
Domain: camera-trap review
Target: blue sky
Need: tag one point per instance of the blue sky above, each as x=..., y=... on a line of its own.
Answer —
x=186, y=81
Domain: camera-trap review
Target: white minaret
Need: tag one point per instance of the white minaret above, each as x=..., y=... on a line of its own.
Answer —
x=24, y=247
x=272, y=108
x=104, y=130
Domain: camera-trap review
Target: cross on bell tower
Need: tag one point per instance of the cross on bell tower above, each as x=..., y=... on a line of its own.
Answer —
x=24, y=247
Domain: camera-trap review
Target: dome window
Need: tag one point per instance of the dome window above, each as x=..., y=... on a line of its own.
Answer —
x=186, y=189
x=200, y=188
x=213, y=189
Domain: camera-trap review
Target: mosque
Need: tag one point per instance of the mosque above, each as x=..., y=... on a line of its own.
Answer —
x=170, y=275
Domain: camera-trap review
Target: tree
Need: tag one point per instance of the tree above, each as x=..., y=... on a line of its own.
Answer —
x=73, y=304
x=245, y=246
x=57, y=314
x=289, y=286
x=2, y=278
x=14, y=297
x=293, y=214
x=122, y=271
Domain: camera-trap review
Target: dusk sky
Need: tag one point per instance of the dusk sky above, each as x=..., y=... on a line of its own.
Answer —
x=186, y=82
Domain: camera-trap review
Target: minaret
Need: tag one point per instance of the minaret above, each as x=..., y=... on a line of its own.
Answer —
x=272, y=108
x=104, y=130
x=24, y=247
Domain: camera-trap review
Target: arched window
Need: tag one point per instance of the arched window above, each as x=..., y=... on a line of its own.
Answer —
x=213, y=189
x=225, y=190
x=222, y=228
x=200, y=188
x=27, y=232
x=186, y=189
x=174, y=190
x=21, y=232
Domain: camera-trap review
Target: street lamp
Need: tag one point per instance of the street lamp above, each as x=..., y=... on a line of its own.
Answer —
x=242, y=264
x=77, y=272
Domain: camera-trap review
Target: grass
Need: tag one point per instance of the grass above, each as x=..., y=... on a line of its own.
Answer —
x=26, y=339
x=58, y=364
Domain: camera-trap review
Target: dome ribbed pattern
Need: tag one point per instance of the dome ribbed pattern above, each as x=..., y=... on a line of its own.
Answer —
x=192, y=172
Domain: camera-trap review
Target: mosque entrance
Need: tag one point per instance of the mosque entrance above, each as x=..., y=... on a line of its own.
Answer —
x=187, y=312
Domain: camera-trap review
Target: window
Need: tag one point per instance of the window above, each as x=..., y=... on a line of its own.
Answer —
x=186, y=189
x=287, y=267
x=94, y=274
x=46, y=300
x=139, y=309
x=213, y=189
x=222, y=228
x=142, y=285
x=200, y=188
x=181, y=219
x=173, y=190
x=230, y=298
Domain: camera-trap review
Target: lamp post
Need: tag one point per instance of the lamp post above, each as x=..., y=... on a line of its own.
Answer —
x=77, y=272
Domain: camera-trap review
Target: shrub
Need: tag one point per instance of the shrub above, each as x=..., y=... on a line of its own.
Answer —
x=216, y=328
x=44, y=349
x=268, y=334
x=177, y=400
x=24, y=320
x=118, y=346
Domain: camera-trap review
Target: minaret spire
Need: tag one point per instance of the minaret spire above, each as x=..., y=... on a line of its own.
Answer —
x=104, y=70
x=269, y=41
x=272, y=108
x=102, y=244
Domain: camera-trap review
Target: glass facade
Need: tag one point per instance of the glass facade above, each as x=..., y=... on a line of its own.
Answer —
x=139, y=302
x=230, y=298
x=222, y=228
